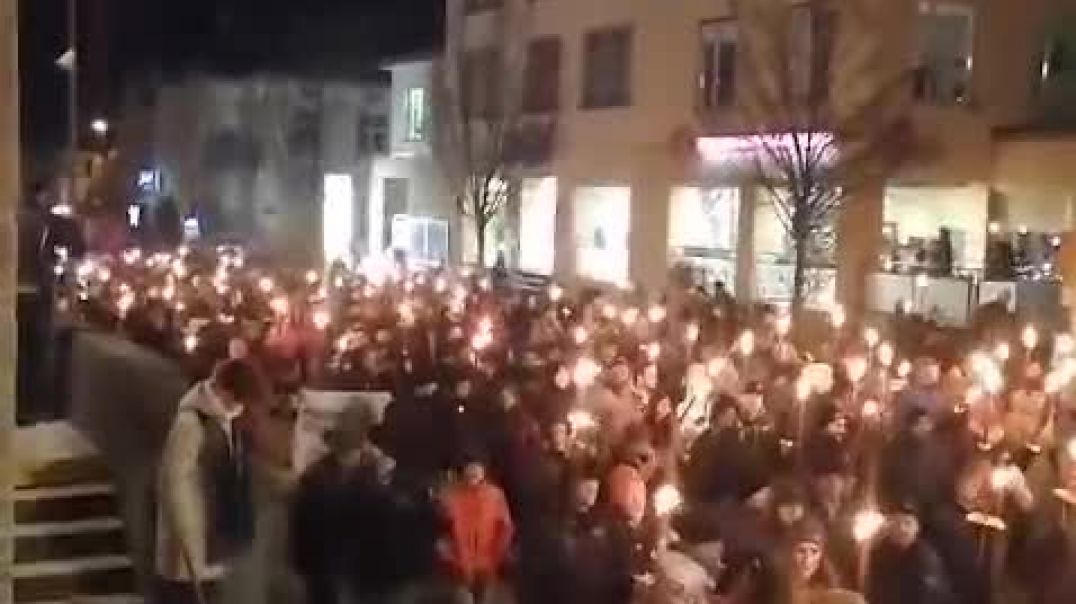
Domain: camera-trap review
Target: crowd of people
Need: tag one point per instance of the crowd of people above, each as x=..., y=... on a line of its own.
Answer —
x=602, y=448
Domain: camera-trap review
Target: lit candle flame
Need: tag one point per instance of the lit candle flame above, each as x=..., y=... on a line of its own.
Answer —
x=1002, y=351
x=746, y=343
x=885, y=354
x=190, y=343
x=581, y=420
x=266, y=285
x=580, y=335
x=656, y=314
x=1029, y=337
x=322, y=318
x=871, y=337
x=667, y=499
x=556, y=292
x=279, y=305
x=691, y=333
x=866, y=524
x=585, y=372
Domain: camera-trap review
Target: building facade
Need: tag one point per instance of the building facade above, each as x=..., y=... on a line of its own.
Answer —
x=648, y=100
x=410, y=209
x=282, y=162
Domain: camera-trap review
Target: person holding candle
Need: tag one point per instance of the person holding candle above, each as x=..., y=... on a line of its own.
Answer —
x=904, y=568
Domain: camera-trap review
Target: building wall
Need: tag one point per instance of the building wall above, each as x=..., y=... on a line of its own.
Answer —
x=636, y=146
x=253, y=154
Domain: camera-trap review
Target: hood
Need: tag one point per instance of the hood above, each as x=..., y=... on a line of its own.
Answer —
x=201, y=398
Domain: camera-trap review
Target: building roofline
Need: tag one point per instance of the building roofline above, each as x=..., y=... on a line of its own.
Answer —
x=418, y=56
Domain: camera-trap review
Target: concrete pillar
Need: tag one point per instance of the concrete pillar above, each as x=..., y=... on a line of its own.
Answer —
x=859, y=234
x=564, y=230
x=648, y=240
x=745, y=286
x=9, y=195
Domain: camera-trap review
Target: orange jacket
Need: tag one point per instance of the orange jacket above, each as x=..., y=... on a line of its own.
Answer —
x=480, y=529
x=627, y=492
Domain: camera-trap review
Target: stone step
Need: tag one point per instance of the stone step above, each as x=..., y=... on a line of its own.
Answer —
x=69, y=541
x=59, y=504
x=64, y=579
x=65, y=473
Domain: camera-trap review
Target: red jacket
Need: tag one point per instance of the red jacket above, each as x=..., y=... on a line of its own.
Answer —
x=627, y=492
x=480, y=529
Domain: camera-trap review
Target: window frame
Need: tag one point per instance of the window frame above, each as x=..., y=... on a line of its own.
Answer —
x=591, y=93
x=416, y=132
x=946, y=8
x=708, y=102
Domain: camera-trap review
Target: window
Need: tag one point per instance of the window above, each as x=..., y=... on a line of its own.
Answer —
x=481, y=81
x=602, y=230
x=811, y=42
x=373, y=134
x=720, y=44
x=946, y=44
x=607, y=68
x=416, y=109
x=541, y=83
x=424, y=239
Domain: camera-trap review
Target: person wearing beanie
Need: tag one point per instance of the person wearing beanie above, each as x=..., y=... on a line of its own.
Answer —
x=810, y=577
x=903, y=567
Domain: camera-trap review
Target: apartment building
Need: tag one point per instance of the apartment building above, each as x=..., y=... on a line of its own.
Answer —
x=410, y=208
x=645, y=101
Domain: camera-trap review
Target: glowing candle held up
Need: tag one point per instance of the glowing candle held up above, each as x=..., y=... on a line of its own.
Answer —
x=580, y=420
x=190, y=343
x=609, y=312
x=1002, y=351
x=653, y=351
x=266, y=285
x=746, y=343
x=580, y=335
x=691, y=333
x=279, y=305
x=656, y=314
x=1029, y=337
x=630, y=316
x=885, y=355
x=667, y=499
x=866, y=524
x=555, y=293
x=871, y=337
x=311, y=277
x=585, y=372
x=322, y=318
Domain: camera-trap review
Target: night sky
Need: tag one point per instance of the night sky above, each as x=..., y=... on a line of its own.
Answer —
x=124, y=39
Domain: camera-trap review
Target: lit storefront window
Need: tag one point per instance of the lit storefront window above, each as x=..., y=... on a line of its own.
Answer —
x=602, y=228
x=337, y=217
x=538, y=217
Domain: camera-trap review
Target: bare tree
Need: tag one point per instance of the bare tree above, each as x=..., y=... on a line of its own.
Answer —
x=477, y=111
x=826, y=109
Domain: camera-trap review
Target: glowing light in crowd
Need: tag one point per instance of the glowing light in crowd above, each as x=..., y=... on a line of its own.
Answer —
x=311, y=277
x=581, y=420
x=132, y=255
x=322, y=318
x=656, y=314
x=837, y=316
x=1029, y=337
x=871, y=409
x=125, y=302
x=104, y=275
x=904, y=369
x=716, y=366
x=585, y=372
x=609, y=312
x=279, y=305
x=866, y=524
x=1070, y=448
x=1003, y=477
x=667, y=499
x=630, y=316
x=886, y=354
x=61, y=209
x=580, y=335
x=190, y=343
x=653, y=351
x=266, y=285
x=746, y=343
x=856, y=367
x=1003, y=351
x=871, y=337
x=481, y=340
x=484, y=284
x=691, y=333
x=1064, y=344
x=556, y=292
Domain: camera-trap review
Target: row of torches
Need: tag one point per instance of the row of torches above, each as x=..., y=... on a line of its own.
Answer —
x=866, y=524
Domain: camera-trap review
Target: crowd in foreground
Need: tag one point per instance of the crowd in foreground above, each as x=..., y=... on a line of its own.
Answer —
x=602, y=448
